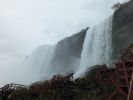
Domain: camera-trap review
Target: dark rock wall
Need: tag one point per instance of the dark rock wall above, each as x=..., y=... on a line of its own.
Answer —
x=68, y=53
x=122, y=35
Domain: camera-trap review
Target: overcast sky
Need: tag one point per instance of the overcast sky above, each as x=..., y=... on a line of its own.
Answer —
x=27, y=24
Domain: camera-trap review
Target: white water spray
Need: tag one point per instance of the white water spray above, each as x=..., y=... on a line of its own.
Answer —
x=40, y=58
x=97, y=47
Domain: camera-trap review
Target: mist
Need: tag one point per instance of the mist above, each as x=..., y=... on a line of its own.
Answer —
x=27, y=24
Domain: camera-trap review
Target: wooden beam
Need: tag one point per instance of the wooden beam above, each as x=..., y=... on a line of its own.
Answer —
x=130, y=93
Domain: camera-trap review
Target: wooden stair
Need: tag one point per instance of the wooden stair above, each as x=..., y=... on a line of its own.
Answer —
x=122, y=77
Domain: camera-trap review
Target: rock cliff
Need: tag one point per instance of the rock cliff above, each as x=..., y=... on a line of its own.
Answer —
x=68, y=52
x=122, y=34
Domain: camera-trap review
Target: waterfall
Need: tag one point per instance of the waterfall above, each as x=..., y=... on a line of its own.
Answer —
x=97, y=47
x=46, y=61
x=40, y=58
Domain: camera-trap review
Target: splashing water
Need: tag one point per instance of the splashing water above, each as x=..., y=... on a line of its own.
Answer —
x=97, y=47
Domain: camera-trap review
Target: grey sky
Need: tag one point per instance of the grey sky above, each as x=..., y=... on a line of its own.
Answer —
x=26, y=24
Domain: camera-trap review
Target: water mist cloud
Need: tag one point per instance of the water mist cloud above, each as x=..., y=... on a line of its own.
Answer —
x=27, y=24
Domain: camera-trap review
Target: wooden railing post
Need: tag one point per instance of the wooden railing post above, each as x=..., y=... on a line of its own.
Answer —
x=130, y=93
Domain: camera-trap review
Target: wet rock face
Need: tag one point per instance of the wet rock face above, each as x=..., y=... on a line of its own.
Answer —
x=68, y=52
x=122, y=35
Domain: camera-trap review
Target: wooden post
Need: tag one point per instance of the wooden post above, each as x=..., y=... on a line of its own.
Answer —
x=130, y=93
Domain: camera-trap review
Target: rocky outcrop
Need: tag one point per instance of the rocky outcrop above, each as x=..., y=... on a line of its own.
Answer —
x=67, y=53
x=64, y=88
x=122, y=35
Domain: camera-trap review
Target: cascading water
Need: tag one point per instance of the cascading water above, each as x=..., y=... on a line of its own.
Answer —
x=97, y=47
x=40, y=58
